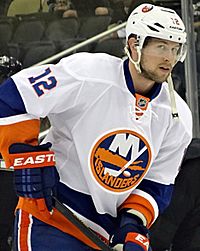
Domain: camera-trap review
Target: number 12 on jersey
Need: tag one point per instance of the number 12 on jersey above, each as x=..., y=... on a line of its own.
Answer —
x=47, y=83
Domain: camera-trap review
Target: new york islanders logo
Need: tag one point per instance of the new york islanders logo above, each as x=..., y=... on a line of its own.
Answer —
x=120, y=159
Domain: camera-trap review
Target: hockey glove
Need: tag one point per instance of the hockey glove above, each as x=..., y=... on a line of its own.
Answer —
x=35, y=174
x=131, y=235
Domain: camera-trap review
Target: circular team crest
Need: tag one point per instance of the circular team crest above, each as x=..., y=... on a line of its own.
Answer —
x=120, y=159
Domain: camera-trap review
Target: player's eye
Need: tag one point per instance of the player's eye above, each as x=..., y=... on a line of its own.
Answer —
x=161, y=47
x=176, y=50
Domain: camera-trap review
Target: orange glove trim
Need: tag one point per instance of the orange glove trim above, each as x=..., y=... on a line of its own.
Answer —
x=139, y=239
x=32, y=159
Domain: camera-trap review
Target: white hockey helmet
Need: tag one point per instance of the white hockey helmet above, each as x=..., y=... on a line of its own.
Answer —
x=154, y=21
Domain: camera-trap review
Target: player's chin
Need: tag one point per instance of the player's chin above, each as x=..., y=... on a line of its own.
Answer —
x=160, y=80
x=162, y=77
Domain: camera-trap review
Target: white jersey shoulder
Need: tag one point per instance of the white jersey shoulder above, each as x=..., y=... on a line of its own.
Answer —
x=54, y=88
x=92, y=65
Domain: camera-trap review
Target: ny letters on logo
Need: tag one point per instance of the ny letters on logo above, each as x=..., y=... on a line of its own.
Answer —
x=124, y=145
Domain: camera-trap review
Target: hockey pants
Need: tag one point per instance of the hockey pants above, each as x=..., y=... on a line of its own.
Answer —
x=31, y=234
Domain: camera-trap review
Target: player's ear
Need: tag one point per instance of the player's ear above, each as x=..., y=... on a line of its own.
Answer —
x=132, y=43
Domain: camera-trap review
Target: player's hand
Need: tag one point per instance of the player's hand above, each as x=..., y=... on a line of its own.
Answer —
x=131, y=236
x=35, y=174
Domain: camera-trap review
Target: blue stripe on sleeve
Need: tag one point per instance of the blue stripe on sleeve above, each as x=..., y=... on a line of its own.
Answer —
x=11, y=102
x=161, y=193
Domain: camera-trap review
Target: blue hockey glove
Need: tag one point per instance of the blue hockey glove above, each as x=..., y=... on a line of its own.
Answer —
x=131, y=235
x=35, y=174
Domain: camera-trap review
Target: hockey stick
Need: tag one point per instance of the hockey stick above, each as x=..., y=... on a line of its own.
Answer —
x=69, y=215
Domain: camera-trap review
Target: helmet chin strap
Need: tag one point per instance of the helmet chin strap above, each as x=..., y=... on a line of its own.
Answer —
x=172, y=98
x=136, y=63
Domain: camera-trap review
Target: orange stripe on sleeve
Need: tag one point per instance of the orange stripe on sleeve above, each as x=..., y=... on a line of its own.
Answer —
x=21, y=132
x=141, y=204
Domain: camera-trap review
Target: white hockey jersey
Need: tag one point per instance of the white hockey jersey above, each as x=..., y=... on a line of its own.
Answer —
x=113, y=147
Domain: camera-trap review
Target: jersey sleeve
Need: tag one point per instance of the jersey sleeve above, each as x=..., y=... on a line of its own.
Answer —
x=49, y=88
x=30, y=94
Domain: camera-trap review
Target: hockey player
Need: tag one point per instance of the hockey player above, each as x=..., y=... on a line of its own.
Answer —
x=117, y=139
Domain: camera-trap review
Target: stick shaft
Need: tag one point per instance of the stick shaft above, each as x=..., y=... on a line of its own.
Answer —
x=80, y=225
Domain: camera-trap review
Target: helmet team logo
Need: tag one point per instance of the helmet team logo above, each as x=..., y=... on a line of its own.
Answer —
x=120, y=159
x=147, y=8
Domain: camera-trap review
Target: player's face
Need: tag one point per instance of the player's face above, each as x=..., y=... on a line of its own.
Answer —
x=158, y=58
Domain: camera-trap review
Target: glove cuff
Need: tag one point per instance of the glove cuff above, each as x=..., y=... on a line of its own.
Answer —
x=24, y=156
x=139, y=239
x=32, y=160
